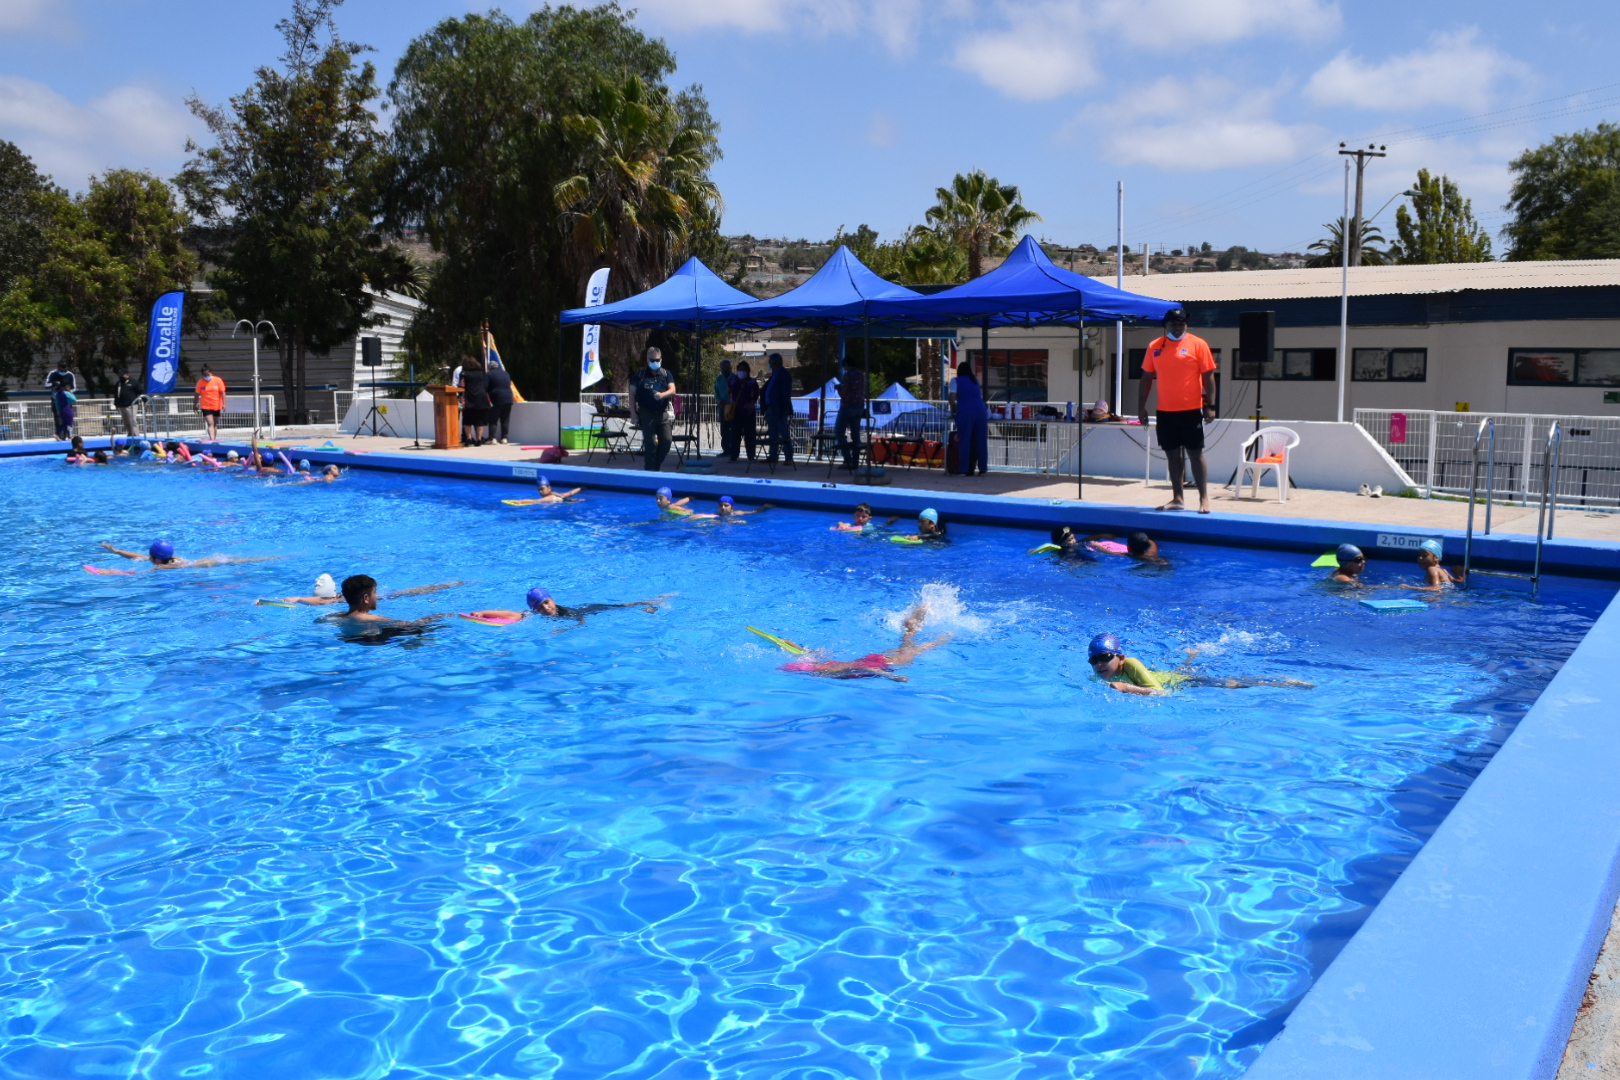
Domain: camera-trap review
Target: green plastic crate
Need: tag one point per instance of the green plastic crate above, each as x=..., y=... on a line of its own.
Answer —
x=581, y=438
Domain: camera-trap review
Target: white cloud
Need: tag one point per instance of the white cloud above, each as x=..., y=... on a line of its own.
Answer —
x=1040, y=55
x=1201, y=22
x=894, y=22
x=1453, y=69
x=1196, y=125
x=131, y=125
x=23, y=14
x=882, y=131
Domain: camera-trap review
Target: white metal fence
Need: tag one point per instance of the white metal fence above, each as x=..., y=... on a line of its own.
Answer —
x=1437, y=451
x=1028, y=443
x=162, y=417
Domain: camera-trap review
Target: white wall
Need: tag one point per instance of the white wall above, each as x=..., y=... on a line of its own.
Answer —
x=1330, y=456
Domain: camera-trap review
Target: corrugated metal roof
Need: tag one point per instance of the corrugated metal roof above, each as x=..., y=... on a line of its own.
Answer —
x=1374, y=280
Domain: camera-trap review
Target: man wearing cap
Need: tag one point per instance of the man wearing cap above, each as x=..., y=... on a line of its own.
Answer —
x=1184, y=370
x=655, y=409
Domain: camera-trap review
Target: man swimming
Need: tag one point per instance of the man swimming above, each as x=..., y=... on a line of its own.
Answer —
x=162, y=557
x=541, y=604
x=1129, y=675
x=872, y=665
x=360, y=593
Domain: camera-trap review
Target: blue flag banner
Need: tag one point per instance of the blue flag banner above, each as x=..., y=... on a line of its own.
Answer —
x=163, y=343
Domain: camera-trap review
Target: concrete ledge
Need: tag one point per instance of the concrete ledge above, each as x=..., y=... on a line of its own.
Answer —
x=1475, y=963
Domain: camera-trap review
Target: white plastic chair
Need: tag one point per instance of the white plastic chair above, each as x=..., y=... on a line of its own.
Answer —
x=1271, y=447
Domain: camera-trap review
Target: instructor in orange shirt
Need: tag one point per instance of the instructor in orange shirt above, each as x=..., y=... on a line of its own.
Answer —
x=1184, y=369
x=209, y=400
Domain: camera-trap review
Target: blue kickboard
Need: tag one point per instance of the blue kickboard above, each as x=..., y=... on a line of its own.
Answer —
x=1395, y=605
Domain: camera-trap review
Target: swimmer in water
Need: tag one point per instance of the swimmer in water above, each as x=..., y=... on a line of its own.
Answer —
x=1435, y=577
x=665, y=498
x=541, y=604
x=876, y=665
x=360, y=593
x=1065, y=545
x=326, y=592
x=727, y=510
x=1138, y=545
x=100, y=458
x=1129, y=675
x=327, y=475
x=863, y=521
x=77, y=455
x=546, y=495
x=1351, y=563
x=929, y=527
x=162, y=557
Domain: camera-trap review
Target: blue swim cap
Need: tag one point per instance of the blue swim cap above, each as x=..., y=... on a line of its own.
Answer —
x=929, y=515
x=1104, y=645
x=541, y=481
x=1433, y=547
x=161, y=551
x=537, y=596
x=119, y=440
x=666, y=493
x=143, y=445
x=1347, y=553
x=725, y=500
x=303, y=463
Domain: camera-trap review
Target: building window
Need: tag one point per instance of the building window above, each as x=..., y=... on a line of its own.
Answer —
x=1290, y=365
x=1028, y=369
x=1564, y=367
x=1389, y=365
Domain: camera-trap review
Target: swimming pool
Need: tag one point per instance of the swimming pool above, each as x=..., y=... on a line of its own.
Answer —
x=242, y=845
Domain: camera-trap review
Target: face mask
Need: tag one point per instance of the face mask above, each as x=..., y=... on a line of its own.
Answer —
x=1175, y=335
x=655, y=364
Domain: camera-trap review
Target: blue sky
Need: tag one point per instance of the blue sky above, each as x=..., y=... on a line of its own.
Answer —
x=1221, y=116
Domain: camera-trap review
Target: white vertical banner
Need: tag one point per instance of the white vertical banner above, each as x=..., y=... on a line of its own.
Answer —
x=590, y=361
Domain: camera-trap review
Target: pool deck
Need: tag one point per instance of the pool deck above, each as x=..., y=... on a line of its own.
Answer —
x=1479, y=958
x=1449, y=514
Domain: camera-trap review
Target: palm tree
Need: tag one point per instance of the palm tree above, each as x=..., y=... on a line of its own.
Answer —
x=1332, y=247
x=641, y=188
x=980, y=215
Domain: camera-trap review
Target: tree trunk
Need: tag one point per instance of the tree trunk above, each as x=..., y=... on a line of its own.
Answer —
x=284, y=357
x=930, y=386
x=299, y=375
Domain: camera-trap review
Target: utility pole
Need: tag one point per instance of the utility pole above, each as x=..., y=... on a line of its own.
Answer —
x=1353, y=241
x=1119, y=283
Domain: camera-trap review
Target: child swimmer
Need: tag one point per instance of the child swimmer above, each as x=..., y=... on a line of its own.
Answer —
x=162, y=557
x=541, y=604
x=1129, y=675
x=1435, y=577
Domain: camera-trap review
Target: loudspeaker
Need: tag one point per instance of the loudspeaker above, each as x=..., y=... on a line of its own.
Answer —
x=1257, y=339
x=371, y=351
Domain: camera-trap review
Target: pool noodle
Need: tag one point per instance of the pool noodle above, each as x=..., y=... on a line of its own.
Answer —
x=523, y=502
x=784, y=643
x=1113, y=547
x=104, y=570
x=291, y=469
x=486, y=622
x=274, y=603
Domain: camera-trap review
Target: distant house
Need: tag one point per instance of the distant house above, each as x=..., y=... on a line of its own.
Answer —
x=753, y=262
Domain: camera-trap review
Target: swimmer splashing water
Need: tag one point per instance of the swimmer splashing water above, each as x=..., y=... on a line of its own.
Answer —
x=872, y=665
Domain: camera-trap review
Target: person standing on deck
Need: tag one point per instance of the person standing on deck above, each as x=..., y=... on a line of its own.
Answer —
x=778, y=397
x=498, y=381
x=655, y=411
x=209, y=399
x=63, y=387
x=972, y=421
x=125, y=395
x=723, y=406
x=851, y=411
x=1182, y=366
x=745, y=396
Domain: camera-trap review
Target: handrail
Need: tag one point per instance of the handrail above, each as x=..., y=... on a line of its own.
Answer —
x=1549, y=481
x=1487, y=424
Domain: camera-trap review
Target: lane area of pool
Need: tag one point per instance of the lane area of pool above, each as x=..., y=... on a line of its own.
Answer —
x=245, y=843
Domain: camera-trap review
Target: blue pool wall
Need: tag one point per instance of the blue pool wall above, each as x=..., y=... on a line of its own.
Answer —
x=1476, y=961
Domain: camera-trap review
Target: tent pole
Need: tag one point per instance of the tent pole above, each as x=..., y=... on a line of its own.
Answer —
x=559, y=383
x=1080, y=412
x=694, y=427
x=821, y=414
x=866, y=373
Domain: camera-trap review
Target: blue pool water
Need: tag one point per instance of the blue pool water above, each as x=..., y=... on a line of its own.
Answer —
x=237, y=844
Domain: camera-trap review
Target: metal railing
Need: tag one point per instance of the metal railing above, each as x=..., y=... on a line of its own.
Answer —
x=155, y=417
x=1548, y=504
x=1022, y=444
x=1437, y=450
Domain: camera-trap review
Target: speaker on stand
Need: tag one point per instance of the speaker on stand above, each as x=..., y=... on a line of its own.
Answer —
x=1257, y=345
x=371, y=357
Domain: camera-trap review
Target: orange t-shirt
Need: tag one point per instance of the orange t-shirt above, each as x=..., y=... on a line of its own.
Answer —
x=211, y=393
x=1178, y=368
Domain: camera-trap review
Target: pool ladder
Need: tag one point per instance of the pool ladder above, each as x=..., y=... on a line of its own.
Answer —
x=1544, y=516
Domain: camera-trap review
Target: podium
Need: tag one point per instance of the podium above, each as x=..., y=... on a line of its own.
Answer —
x=446, y=417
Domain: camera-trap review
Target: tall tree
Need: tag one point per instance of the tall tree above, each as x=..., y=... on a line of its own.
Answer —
x=1566, y=198
x=1330, y=249
x=480, y=147
x=1440, y=228
x=290, y=194
x=22, y=243
x=106, y=255
x=981, y=215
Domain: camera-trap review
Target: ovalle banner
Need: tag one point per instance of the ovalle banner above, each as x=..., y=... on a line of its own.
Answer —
x=590, y=365
x=163, y=343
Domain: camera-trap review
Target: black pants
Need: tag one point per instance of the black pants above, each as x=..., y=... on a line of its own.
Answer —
x=849, y=420
x=657, y=435
x=744, y=430
x=779, y=429
x=728, y=434
x=500, y=420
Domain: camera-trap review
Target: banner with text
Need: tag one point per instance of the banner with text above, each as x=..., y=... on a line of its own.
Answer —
x=163, y=343
x=590, y=362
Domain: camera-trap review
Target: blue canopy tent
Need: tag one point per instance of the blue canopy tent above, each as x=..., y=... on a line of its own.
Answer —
x=690, y=299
